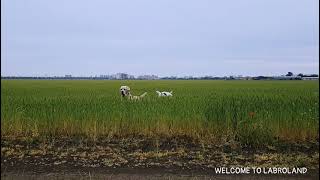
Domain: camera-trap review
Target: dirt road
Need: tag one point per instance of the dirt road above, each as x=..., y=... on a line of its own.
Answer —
x=141, y=159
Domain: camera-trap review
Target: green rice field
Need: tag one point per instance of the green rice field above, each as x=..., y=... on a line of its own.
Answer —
x=250, y=112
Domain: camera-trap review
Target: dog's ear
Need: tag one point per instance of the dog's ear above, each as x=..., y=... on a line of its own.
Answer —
x=128, y=90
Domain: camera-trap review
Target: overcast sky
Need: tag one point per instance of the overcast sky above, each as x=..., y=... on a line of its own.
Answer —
x=163, y=37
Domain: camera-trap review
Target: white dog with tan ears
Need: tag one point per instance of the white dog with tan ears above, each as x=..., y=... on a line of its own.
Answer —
x=125, y=92
x=164, y=93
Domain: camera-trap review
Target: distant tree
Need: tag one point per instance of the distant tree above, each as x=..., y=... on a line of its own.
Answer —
x=289, y=74
x=300, y=74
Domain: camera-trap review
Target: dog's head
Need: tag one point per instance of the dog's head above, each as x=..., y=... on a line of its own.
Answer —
x=124, y=90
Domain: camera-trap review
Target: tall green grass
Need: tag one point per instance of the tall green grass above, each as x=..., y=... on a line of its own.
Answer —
x=251, y=112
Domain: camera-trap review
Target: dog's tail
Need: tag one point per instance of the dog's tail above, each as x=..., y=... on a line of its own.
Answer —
x=144, y=94
x=159, y=93
x=171, y=92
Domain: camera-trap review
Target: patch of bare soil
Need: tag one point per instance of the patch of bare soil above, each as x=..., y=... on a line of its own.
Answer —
x=145, y=158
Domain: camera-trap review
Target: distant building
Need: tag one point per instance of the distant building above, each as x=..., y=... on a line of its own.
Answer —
x=310, y=78
x=148, y=77
x=68, y=76
x=131, y=77
x=293, y=77
x=122, y=76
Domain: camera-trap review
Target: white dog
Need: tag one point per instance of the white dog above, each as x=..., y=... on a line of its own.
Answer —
x=125, y=92
x=164, y=93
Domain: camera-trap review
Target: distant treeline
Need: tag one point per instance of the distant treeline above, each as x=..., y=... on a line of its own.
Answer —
x=102, y=78
x=174, y=78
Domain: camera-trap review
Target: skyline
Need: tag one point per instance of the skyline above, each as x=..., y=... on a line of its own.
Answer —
x=165, y=38
x=130, y=76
